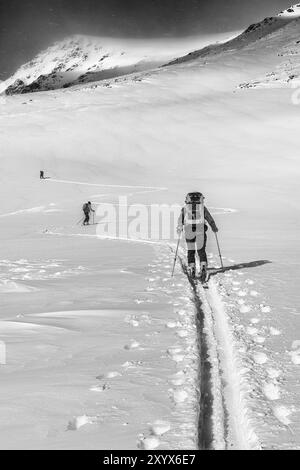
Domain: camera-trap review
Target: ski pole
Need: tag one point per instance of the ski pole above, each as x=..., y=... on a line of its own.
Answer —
x=219, y=250
x=176, y=254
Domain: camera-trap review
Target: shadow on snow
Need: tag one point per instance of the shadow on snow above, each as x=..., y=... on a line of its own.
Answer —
x=236, y=267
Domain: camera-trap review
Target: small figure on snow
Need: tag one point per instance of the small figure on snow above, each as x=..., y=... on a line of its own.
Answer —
x=193, y=220
x=42, y=175
x=87, y=209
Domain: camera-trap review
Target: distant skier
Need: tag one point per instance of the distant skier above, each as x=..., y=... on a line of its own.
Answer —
x=193, y=220
x=42, y=175
x=87, y=209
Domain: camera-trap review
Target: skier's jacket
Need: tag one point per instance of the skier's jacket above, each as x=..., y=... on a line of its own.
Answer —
x=193, y=218
x=86, y=208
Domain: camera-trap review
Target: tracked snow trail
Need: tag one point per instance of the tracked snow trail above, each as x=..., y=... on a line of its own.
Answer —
x=224, y=421
x=150, y=188
x=230, y=389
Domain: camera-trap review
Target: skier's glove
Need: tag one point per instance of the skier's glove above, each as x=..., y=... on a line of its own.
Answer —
x=215, y=229
x=179, y=230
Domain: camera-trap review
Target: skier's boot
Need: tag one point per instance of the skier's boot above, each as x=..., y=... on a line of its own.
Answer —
x=203, y=272
x=192, y=270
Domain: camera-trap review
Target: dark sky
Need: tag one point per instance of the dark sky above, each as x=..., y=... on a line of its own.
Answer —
x=26, y=27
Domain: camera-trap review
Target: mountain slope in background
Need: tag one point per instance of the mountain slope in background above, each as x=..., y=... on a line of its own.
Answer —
x=251, y=35
x=82, y=59
x=273, y=38
x=293, y=11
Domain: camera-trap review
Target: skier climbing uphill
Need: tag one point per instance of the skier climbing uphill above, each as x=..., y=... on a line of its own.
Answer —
x=193, y=220
x=87, y=209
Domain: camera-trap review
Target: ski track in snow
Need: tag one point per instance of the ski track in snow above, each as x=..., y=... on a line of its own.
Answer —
x=250, y=378
x=117, y=186
x=50, y=208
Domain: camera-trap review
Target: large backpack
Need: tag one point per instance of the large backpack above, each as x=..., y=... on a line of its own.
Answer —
x=86, y=208
x=194, y=198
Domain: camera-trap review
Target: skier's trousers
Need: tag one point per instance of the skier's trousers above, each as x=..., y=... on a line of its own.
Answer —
x=192, y=248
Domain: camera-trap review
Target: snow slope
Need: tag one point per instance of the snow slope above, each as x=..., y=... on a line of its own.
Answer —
x=251, y=36
x=102, y=345
x=293, y=11
x=82, y=59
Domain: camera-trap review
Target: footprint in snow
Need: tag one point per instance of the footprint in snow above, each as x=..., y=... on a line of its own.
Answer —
x=242, y=293
x=254, y=293
x=181, y=313
x=295, y=356
x=274, y=331
x=80, y=421
x=109, y=375
x=265, y=309
x=245, y=309
x=176, y=354
x=132, y=364
x=177, y=382
x=282, y=413
x=252, y=331
x=132, y=345
x=172, y=351
x=271, y=391
x=180, y=396
x=182, y=333
x=273, y=373
x=255, y=321
x=148, y=443
x=260, y=358
x=159, y=428
x=259, y=339
x=100, y=388
x=172, y=324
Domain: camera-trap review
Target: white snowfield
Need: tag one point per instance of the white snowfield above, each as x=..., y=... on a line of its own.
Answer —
x=104, y=350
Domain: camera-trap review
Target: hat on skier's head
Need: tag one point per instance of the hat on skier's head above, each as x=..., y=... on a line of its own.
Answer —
x=90, y=203
x=194, y=198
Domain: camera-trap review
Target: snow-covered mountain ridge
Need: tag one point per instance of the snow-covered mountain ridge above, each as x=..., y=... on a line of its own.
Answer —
x=293, y=11
x=255, y=32
x=77, y=59
x=82, y=59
